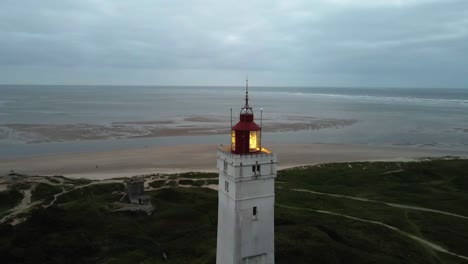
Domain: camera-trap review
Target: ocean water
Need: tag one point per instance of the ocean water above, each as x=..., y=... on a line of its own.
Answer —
x=429, y=118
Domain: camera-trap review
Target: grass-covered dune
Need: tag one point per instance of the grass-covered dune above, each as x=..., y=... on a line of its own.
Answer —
x=331, y=213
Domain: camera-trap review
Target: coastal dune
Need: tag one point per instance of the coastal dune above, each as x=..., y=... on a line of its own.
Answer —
x=183, y=158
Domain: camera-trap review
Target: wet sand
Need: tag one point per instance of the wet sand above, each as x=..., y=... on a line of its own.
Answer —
x=189, y=126
x=182, y=158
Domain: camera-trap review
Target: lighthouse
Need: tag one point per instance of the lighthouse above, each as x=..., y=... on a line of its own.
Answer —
x=246, y=195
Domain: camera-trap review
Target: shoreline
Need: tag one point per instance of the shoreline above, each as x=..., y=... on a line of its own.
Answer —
x=183, y=158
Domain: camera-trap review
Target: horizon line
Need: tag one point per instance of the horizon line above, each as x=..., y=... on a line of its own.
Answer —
x=213, y=86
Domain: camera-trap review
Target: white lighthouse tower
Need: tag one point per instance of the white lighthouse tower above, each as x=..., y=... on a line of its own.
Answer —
x=246, y=195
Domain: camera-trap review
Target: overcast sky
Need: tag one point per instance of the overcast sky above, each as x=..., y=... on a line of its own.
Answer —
x=366, y=43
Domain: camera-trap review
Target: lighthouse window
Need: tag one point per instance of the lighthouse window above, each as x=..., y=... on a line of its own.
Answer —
x=226, y=186
x=254, y=212
x=225, y=165
x=254, y=140
x=256, y=168
x=233, y=140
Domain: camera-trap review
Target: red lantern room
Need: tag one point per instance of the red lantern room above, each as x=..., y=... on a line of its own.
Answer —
x=246, y=134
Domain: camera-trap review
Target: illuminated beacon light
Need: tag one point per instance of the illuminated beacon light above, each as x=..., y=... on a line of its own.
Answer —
x=233, y=140
x=265, y=150
x=253, y=140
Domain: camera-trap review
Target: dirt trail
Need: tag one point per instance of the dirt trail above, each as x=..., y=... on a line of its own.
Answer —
x=23, y=206
x=418, y=239
x=404, y=206
x=79, y=187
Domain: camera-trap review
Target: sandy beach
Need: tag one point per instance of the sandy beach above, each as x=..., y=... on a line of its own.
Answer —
x=182, y=158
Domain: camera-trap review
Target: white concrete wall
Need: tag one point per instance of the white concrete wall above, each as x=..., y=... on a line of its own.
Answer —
x=240, y=235
x=226, y=225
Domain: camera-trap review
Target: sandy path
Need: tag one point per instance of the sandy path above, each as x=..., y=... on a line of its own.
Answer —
x=404, y=206
x=184, y=158
x=23, y=206
x=79, y=187
x=417, y=239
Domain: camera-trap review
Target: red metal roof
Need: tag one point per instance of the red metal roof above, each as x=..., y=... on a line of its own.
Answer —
x=251, y=126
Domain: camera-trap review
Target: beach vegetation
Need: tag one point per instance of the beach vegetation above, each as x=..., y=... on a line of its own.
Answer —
x=20, y=186
x=82, y=226
x=157, y=183
x=45, y=191
x=172, y=183
x=192, y=174
x=9, y=199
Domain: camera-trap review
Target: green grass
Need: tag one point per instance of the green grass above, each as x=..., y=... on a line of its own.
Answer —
x=53, y=180
x=198, y=175
x=212, y=181
x=85, y=231
x=77, y=181
x=82, y=228
x=439, y=184
x=186, y=182
x=9, y=199
x=302, y=236
x=45, y=191
x=172, y=184
x=197, y=183
x=20, y=186
x=97, y=193
x=157, y=184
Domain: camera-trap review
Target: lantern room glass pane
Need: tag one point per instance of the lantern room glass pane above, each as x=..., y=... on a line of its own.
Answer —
x=254, y=141
x=233, y=140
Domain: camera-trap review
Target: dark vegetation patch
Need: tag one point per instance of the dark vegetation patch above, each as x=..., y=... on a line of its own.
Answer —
x=93, y=194
x=198, y=175
x=53, y=180
x=20, y=186
x=437, y=184
x=197, y=183
x=9, y=199
x=82, y=228
x=172, y=183
x=186, y=182
x=157, y=184
x=184, y=229
x=367, y=210
x=448, y=231
x=78, y=181
x=302, y=236
x=45, y=192
x=212, y=181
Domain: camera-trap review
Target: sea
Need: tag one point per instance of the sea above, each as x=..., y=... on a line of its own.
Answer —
x=417, y=117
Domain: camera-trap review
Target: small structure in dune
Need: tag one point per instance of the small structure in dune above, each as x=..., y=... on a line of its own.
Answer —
x=136, y=190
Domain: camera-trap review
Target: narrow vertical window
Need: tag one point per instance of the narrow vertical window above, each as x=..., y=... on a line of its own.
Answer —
x=254, y=212
x=225, y=165
x=258, y=168
x=253, y=168
x=233, y=140
x=226, y=186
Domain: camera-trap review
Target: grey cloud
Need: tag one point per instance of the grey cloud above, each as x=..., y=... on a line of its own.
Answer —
x=320, y=42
